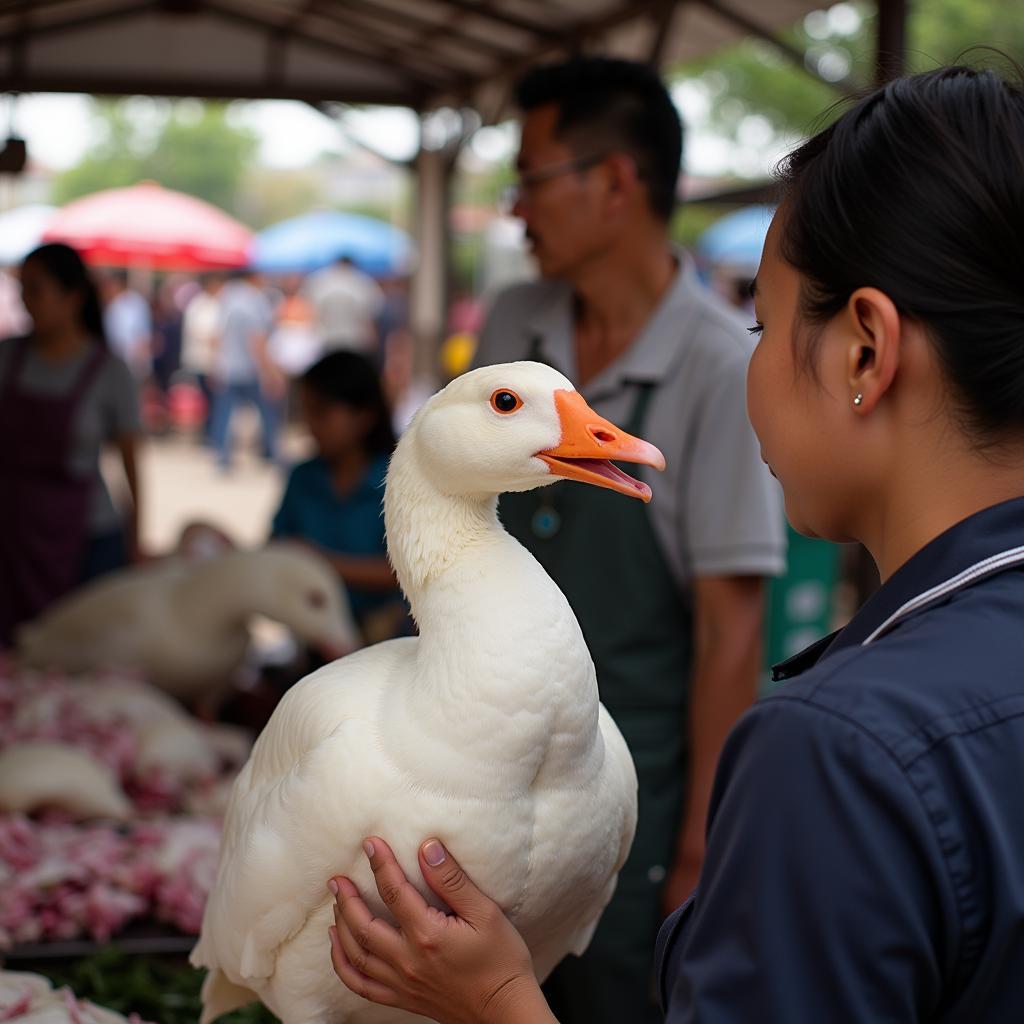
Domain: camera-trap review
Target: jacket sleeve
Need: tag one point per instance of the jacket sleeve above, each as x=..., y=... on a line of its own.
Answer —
x=824, y=895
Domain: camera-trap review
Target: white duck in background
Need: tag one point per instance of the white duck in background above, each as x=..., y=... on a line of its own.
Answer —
x=32, y=999
x=183, y=624
x=41, y=776
x=485, y=731
x=172, y=749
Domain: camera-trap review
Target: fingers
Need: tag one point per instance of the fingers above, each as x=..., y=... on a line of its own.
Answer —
x=359, y=983
x=369, y=933
x=399, y=895
x=356, y=946
x=445, y=876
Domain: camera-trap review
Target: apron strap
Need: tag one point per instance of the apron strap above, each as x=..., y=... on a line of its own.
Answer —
x=645, y=392
x=645, y=388
x=81, y=385
x=535, y=353
x=14, y=364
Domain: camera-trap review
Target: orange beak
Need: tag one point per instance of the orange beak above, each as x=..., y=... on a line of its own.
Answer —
x=589, y=443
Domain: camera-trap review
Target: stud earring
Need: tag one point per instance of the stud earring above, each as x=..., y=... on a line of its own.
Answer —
x=857, y=399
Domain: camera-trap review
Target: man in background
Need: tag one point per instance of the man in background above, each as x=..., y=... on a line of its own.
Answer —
x=245, y=373
x=346, y=303
x=669, y=596
x=200, y=340
x=129, y=325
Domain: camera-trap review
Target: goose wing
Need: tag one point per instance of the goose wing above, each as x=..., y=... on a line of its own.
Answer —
x=294, y=815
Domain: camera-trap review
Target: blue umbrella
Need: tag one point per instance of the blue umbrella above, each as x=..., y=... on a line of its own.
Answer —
x=314, y=240
x=737, y=239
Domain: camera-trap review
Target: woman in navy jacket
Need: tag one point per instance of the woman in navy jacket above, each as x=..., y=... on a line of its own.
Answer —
x=865, y=855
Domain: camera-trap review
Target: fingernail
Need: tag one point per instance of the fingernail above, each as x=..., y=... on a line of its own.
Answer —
x=333, y=886
x=368, y=848
x=433, y=853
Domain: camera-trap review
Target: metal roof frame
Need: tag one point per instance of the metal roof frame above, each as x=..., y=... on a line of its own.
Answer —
x=415, y=53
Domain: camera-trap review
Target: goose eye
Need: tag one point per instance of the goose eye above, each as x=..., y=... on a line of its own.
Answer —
x=317, y=598
x=505, y=401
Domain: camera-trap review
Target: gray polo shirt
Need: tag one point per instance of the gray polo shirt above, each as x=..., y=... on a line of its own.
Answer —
x=716, y=511
x=108, y=409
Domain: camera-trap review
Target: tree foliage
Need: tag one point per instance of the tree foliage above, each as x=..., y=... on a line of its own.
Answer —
x=754, y=78
x=185, y=145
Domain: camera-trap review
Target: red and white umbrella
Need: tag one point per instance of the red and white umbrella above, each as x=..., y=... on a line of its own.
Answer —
x=149, y=226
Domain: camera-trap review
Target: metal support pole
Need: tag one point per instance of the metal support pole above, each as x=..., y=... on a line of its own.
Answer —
x=429, y=294
x=892, y=40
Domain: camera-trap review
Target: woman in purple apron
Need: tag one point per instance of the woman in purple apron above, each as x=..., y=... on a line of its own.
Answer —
x=62, y=396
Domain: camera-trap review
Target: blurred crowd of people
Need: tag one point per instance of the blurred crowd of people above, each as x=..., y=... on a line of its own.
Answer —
x=239, y=338
x=91, y=361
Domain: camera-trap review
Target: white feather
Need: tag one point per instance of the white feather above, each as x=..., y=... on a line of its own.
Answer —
x=485, y=731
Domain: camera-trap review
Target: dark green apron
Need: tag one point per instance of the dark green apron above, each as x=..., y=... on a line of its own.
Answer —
x=601, y=550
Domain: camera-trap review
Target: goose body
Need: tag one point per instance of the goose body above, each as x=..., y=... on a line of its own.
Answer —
x=183, y=624
x=485, y=731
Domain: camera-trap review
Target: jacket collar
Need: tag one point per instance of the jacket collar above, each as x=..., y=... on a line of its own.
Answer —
x=983, y=544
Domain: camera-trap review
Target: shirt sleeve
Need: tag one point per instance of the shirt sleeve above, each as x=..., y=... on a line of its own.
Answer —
x=123, y=409
x=284, y=523
x=732, y=508
x=823, y=895
x=493, y=343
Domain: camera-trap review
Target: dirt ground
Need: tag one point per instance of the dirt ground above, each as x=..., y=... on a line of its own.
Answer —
x=180, y=484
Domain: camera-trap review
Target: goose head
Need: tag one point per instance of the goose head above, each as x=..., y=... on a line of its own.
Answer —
x=508, y=427
x=518, y=426
x=288, y=583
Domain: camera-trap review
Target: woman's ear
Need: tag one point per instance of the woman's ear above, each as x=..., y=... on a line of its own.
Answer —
x=874, y=352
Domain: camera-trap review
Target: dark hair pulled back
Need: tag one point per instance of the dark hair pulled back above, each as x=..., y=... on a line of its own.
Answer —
x=351, y=379
x=607, y=104
x=67, y=268
x=918, y=190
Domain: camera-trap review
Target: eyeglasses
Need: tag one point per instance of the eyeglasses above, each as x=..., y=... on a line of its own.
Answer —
x=520, y=190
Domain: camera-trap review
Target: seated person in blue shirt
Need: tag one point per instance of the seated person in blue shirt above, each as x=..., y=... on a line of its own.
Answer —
x=865, y=839
x=333, y=501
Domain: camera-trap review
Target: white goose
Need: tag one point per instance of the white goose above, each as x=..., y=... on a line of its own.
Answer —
x=184, y=623
x=485, y=731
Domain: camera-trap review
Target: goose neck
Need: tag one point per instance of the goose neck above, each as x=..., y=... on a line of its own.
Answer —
x=429, y=532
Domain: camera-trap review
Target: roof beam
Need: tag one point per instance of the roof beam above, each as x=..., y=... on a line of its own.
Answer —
x=430, y=76
x=334, y=113
x=662, y=21
x=489, y=13
x=431, y=29
x=30, y=6
x=215, y=89
x=629, y=11
x=569, y=39
x=414, y=80
x=403, y=53
x=846, y=86
x=118, y=11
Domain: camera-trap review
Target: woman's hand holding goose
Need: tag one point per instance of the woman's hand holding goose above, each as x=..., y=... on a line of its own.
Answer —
x=469, y=967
